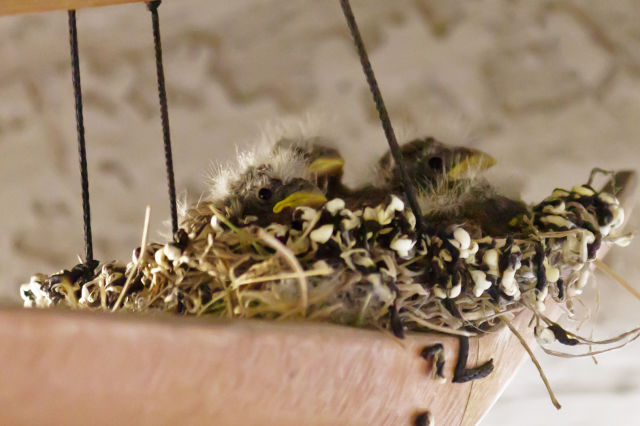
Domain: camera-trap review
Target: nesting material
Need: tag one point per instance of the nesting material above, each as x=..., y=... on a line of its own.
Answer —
x=357, y=267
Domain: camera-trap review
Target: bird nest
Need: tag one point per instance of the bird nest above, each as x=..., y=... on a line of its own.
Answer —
x=364, y=267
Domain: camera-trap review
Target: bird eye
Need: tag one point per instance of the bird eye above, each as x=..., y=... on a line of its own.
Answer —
x=435, y=163
x=264, y=194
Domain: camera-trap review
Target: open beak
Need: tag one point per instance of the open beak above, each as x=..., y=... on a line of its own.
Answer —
x=471, y=162
x=326, y=166
x=300, y=198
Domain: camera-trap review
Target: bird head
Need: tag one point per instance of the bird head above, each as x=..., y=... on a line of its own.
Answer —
x=266, y=185
x=268, y=197
x=428, y=161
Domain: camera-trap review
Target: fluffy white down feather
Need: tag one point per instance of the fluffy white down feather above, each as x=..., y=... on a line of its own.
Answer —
x=285, y=163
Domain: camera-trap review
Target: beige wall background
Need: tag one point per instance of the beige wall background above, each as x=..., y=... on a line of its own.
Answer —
x=550, y=88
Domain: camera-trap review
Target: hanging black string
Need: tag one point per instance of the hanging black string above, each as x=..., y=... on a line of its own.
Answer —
x=84, y=176
x=409, y=188
x=164, y=112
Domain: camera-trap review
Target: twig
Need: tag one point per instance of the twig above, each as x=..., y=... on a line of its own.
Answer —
x=289, y=257
x=310, y=273
x=592, y=352
x=143, y=245
x=603, y=266
x=535, y=362
x=434, y=327
x=584, y=341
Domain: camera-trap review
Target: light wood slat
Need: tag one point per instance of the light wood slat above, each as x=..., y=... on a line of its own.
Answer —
x=75, y=368
x=16, y=7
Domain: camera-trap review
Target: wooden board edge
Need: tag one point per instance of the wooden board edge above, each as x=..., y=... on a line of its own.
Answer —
x=19, y=7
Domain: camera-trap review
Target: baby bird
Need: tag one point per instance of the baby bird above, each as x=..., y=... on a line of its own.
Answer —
x=450, y=187
x=325, y=166
x=448, y=179
x=265, y=185
x=429, y=162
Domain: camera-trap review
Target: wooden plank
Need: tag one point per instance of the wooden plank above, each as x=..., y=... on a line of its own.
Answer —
x=15, y=7
x=79, y=368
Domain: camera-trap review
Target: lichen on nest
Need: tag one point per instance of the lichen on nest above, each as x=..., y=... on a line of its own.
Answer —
x=363, y=267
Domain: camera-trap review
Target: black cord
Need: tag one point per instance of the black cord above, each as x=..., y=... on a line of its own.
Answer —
x=409, y=188
x=164, y=111
x=84, y=175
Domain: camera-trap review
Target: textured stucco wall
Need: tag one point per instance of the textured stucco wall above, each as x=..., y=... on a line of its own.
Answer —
x=550, y=88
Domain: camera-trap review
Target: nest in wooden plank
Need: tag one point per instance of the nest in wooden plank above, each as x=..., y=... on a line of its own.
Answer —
x=365, y=267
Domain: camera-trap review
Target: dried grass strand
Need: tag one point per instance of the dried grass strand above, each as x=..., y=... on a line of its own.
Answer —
x=526, y=347
x=143, y=251
x=590, y=352
x=293, y=262
x=606, y=269
x=284, y=276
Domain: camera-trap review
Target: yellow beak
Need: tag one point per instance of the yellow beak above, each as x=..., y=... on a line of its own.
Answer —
x=475, y=162
x=326, y=166
x=300, y=198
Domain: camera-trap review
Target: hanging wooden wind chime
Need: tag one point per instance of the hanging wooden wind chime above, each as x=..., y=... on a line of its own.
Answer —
x=447, y=299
